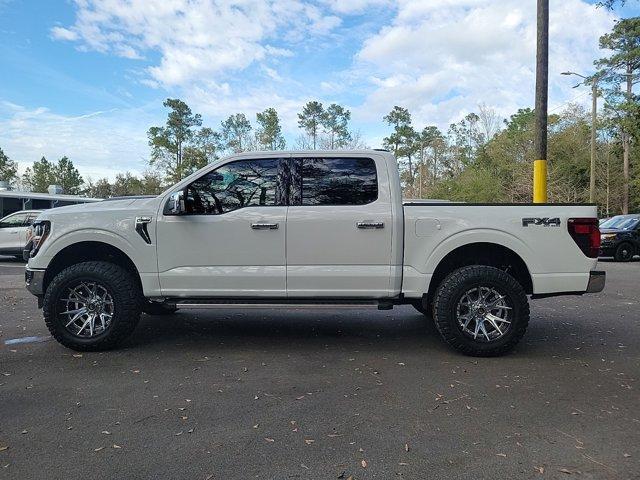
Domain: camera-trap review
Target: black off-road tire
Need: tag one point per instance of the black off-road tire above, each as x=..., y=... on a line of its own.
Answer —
x=127, y=302
x=451, y=290
x=155, y=308
x=624, y=252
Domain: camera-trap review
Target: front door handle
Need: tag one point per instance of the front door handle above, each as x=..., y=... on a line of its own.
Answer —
x=264, y=226
x=370, y=225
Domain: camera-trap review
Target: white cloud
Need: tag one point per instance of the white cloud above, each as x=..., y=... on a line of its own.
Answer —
x=195, y=38
x=441, y=59
x=61, y=33
x=99, y=143
x=356, y=6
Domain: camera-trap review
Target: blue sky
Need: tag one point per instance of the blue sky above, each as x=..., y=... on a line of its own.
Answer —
x=86, y=78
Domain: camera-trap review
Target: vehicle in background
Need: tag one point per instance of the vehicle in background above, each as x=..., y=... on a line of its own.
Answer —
x=311, y=228
x=13, y=232
x=620, y=237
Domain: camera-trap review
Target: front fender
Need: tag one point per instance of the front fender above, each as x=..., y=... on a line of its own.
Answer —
x=143, y=255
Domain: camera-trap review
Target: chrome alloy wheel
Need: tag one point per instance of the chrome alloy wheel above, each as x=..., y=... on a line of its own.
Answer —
x=87, y=309
x=483, y=314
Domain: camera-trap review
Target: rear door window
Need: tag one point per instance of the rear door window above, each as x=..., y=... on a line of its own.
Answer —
x=333, y=181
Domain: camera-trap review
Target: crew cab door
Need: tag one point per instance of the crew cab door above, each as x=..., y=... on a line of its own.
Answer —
x=339, y=228
x=231, y=239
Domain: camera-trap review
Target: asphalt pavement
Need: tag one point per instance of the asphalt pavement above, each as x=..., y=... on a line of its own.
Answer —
x=317, y=394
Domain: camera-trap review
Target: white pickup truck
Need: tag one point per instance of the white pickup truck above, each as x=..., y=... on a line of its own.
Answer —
x=307, y=228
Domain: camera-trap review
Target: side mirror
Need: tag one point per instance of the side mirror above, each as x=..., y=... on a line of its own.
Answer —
x=175, y=204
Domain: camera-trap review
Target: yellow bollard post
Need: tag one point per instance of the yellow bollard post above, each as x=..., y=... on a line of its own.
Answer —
x=540, y=181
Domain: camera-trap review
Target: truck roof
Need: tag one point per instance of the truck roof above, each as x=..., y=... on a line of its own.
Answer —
x=364, y=151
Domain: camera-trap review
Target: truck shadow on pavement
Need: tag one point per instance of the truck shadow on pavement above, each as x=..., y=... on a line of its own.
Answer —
x=312, y=331
x=273, y=329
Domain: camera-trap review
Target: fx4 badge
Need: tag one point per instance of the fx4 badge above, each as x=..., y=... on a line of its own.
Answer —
x=545, y=222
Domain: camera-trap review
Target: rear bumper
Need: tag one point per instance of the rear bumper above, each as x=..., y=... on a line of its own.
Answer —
x=596, y=282
x=34, y=281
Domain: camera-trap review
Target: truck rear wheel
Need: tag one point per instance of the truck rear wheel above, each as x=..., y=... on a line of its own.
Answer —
x=481, y=311
x=92, y=306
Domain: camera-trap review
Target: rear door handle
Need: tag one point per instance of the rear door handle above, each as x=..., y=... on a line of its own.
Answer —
x=370, y=225
x=264, y=226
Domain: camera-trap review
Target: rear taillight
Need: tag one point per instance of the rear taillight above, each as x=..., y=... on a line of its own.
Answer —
x=586, y=233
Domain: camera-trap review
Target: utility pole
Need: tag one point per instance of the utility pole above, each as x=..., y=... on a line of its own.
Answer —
x=594, y=119
x=542, y=94
x=626, y=147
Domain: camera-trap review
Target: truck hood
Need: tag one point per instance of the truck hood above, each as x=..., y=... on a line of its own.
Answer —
x=120, y=204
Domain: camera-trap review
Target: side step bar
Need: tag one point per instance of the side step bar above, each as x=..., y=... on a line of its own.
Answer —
x=218, y=303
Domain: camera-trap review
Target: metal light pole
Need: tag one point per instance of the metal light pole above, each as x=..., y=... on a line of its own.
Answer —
x=542, y=95
x=594, y=119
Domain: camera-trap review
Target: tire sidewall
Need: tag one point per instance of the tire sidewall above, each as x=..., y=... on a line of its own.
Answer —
x=456, y=285
x=87, y=272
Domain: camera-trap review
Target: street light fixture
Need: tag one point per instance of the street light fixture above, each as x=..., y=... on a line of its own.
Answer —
x=594, y=114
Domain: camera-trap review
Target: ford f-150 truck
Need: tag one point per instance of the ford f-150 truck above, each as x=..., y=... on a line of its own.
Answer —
x=307, y=228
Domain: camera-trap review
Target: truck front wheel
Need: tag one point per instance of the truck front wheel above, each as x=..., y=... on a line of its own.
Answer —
x=481, y=311
x=92, y=306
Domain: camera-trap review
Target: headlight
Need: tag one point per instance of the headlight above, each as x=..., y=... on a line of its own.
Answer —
x=608, y=236
x=37, y=234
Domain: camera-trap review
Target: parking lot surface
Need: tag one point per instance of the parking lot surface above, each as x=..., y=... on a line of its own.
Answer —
x=324, y=394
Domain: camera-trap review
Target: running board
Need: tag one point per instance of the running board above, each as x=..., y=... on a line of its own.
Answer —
x=216, y=303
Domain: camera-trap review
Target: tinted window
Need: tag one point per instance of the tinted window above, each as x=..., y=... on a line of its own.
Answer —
x=236, y=185
x=334, y=181
x=13, y=221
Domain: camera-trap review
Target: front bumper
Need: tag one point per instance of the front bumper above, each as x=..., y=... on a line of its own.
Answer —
x=34, y=281
x=596, y=282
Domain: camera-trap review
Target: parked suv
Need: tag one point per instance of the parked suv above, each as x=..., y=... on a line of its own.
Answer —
x=13, y=232
x=620, y=237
